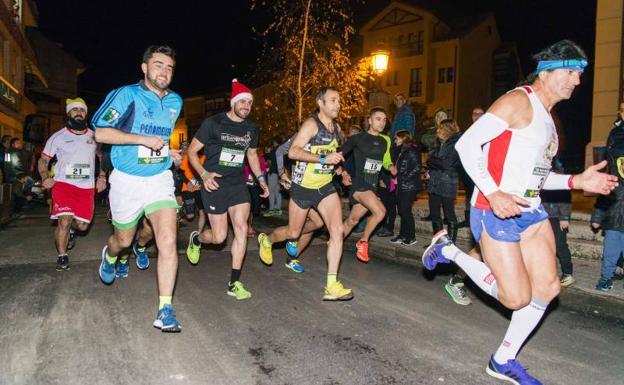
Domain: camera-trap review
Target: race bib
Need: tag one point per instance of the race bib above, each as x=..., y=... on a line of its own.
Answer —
x=78, y=171
x=537, y=180
x=372, y=166
x=323, y=168
x=231, y=157
x=149, y=156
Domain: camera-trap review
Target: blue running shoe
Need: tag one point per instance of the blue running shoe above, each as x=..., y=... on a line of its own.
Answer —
x=291, y=248
x=107, y=269
x=142, y=259
x=295, y=266
x=166, y=320
x=433, y=254
x=122, y=269
x=512, y=371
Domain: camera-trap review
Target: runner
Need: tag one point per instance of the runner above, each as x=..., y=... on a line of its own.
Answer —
x=191, y=193
x=138, y=121
x=507, y=218
x=371, y=152
x=73, y=185
x=314, y=148
x=227, y=138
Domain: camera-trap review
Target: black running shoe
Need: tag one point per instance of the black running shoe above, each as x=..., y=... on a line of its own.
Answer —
x=62, y=263
x=398, y=239
x=71, y=242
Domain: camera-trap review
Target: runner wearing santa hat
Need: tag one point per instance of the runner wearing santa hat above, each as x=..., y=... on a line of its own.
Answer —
x=227, y=138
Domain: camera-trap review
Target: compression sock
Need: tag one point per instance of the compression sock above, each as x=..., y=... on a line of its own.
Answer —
x=235, y=276
x=478, y=271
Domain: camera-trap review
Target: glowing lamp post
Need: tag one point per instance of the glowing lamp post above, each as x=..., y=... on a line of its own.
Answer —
x=379, y=60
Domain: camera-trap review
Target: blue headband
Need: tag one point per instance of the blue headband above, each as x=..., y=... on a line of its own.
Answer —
x=549, y=65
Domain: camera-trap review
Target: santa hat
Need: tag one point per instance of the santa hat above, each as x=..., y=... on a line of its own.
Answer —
x=75, y=103
x=239, y=91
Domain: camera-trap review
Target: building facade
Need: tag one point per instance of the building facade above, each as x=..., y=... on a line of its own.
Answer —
x=438, y=62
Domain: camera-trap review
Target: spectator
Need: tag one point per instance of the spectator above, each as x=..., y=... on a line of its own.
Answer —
x=275, y=196
x=404, y=119
x=429, y=138
x=443, y=167
x=407, y=170
x=14, y=160
x=609, y=210
x=4, y=150
x=477, y=112
x=558, y=204
x=20, y=196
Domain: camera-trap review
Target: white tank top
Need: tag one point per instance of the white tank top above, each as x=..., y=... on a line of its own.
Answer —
x=519, y=160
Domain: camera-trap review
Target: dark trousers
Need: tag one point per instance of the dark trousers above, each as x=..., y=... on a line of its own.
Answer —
x=405, y=199
x=448, y=205
x=254, y=194
x=561, y=241
x=389, y=201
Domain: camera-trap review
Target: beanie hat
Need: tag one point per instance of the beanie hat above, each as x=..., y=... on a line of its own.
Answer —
x=73, y=103
x=239, y=91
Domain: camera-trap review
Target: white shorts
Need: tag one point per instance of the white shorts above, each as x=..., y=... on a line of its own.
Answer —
x=132, y=196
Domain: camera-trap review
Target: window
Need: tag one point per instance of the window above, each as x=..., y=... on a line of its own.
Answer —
x=441, y=75
x=420, y=44
x=450, y=74
x=415, y=88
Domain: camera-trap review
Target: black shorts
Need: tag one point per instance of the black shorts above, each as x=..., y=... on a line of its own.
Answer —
x=192, y=201
x=217, y=202
x=306, y=198
x=359, y=188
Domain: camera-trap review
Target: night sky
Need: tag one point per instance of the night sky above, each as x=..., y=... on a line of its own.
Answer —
x=215, y=42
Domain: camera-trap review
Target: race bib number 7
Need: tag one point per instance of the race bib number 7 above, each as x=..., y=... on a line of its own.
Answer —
x=231, y=157
x=149, y=156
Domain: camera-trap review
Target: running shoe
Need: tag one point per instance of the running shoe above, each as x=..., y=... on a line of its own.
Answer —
x=433, y=253
x=107, y=270
x=122, y=269
x=567, y=280
x=278, y=212
x=166, y=320
x=71, y=241
x=362, y=251
x=291, y=248
x=604, y=285
x=512, y=371
x=455, y=288
x=265, y=249
x=294, y=265
x=337, y=292
x=142, y=259
x=62, y=263
x=193, y=251
x=409, y=242
x=398, y=239
x=269, y=213
x=237, y=290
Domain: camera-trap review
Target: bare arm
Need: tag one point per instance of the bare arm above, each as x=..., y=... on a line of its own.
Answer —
x=306, y=132
x=254, y=163
x=42, y=166
x=192, y=151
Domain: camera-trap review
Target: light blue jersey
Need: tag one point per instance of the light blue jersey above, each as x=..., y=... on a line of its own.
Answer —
x=136, y=109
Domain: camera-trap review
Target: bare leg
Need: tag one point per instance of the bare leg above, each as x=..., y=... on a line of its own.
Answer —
x=164, y=222
x=238, y=216
x=331, y=212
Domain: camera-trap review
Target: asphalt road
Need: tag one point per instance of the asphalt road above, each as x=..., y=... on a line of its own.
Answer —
x=401, y=328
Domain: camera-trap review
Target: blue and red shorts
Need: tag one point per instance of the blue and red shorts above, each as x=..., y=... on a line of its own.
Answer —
x=504, y=230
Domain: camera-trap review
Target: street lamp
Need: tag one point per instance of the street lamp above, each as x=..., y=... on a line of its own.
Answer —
x=379, y=60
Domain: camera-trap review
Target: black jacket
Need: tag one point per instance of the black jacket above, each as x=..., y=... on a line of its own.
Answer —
x=443, y=167
x=609, y=210
x=408, y=166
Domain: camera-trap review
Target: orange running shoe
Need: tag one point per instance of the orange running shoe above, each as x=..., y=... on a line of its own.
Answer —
x=362, y=251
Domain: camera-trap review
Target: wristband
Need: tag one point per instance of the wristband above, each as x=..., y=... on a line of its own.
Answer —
x=322, y=158
x=571, y=182
x=261, y=178
x=203, y=174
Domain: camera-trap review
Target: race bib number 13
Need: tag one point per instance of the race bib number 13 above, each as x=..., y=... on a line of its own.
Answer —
x=231, y=157
x=372, y=166
x=149, y=156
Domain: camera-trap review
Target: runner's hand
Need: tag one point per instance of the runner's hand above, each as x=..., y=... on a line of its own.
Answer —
x=346, y=179
x=393, y=170
x=334, y=158
x=47, y=183
x=176, y=155
x=591, y=180
x=210, y=183
x=506, y=205
x=153, y=142
x=100, y=184
x=564, y=225
x=265, y=189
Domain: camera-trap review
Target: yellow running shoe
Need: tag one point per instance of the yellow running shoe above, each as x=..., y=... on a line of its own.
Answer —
x=337, y=292
x=265, y=250
x=193, y=251
x=237, y=290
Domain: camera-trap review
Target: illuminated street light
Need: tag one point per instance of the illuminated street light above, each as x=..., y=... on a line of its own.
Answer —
x=379, y=60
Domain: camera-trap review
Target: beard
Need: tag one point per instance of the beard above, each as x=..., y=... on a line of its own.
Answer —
x=78, y=124
x=159, y=84
x=241, y=114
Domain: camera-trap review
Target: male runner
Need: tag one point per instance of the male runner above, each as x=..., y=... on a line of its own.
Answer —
x=227, y=137
x=315, y=150
x=73, y=184
x=507, y=219
x=138, y=121
x=371, y=152
x=191, y=192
